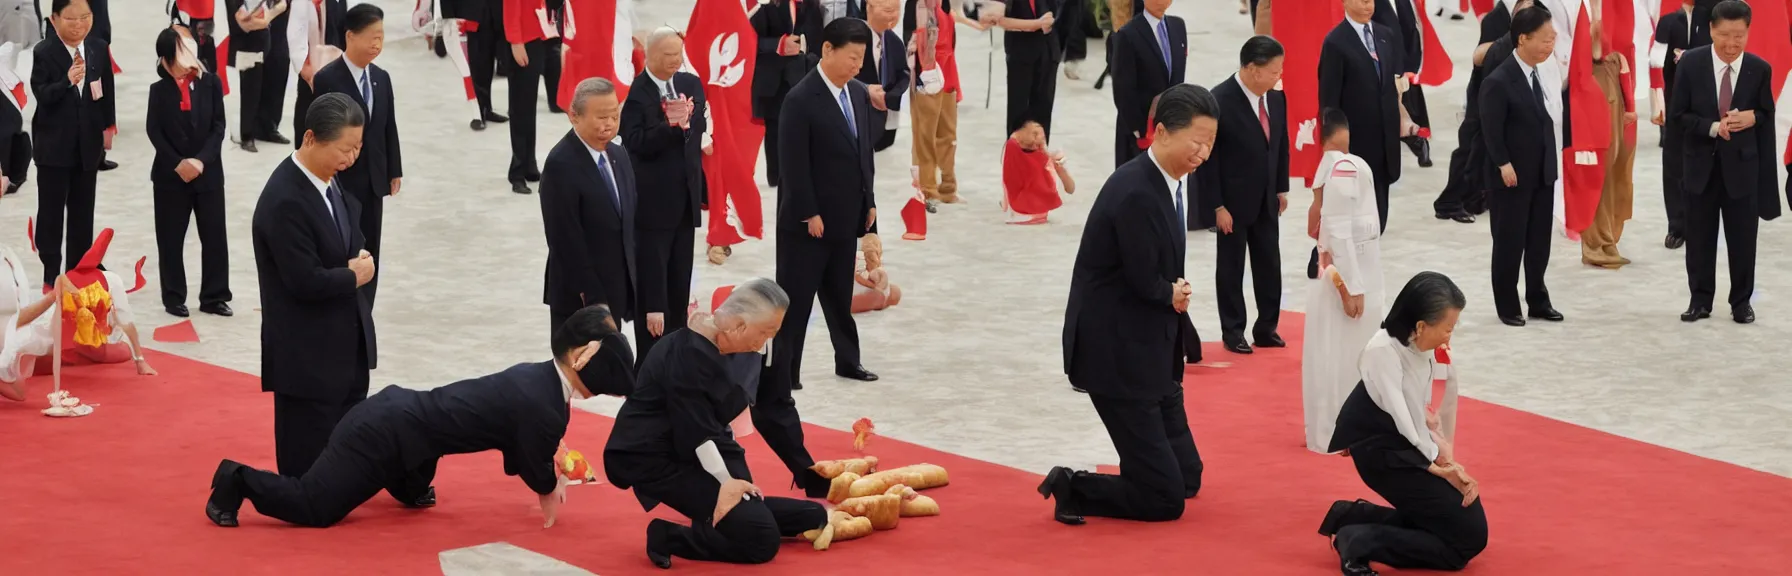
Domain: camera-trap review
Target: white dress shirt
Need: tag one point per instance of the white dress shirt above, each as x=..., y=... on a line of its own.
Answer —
x=602, y=159
x=667, y=90
x=565, y=384
x=1153, y=21
x=1359, y=27
x=1398, y=378
x=323, y=188
x=1172, y=182
x=1258, y=108
x=357, y=72
x=79, y=52
x=1717, y=83
x=835, y=92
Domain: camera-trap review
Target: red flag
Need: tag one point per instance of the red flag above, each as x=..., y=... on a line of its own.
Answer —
x=1583, y=174
x=1481, y=7
x=599, y=43
x=720, y=46
x=1436, y=68
x=1302, y=33
x=1619, y=32
x=1655, y=78
x=1776, y=49
x=223, y=58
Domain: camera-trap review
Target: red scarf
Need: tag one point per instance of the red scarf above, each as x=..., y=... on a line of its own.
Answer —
x=186, y=92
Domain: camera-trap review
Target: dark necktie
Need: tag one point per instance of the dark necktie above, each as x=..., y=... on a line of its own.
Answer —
x=846, y=109
x=1724, y=93
x=1369, y=42
x=338, y=211
x=1537, y=92
x=1263, y=115
x=603, y=169
x=367, y=92
x=1181, y=215
x=1163, y=46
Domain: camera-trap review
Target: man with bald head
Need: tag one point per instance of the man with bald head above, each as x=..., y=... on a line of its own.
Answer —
x=663, y=125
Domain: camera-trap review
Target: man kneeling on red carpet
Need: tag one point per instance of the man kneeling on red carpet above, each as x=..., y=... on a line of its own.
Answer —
x=392, y=441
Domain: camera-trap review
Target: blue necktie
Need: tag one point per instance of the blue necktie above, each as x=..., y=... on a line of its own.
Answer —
x=1163, y=45
x=1369, y=42
x=367, y=91
x=338, y=211
x=1181, y=213
x=603, y=168
x=846, y=108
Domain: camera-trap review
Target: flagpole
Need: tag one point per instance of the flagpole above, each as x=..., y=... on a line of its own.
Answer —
x=989, y=70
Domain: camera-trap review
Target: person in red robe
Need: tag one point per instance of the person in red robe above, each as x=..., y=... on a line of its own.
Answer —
x=1031, y=175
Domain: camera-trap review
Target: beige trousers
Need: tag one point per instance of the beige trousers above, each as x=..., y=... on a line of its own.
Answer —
x=935, y=121
x=1599, y=242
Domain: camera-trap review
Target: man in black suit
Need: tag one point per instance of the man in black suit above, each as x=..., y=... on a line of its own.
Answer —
x=826, y=203
x=393, y=441
x=71, y=78
x=789, y=46
x=1674, y=35
x=261, y=71
x=1032, y=53
x=186, y=127
x=1411, y=45
x=317, y=336
x=1357, y=66
x=1462, y=197
x=1122, y=340
x=1519, y=134
x=1723, y=109
x=1150, y=55
x=588, y=208
x=885, y=72
x=379, y=168
x=1247, y=190
x=663, y=126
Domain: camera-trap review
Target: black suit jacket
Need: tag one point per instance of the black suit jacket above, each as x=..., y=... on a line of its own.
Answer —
x=1139, y=73
x=1348, y=81
x=668, y=159
x=827, y=172
x=521, y=412
x=1497, y=53
x=1121, y=337
x=371, y=176
x=1672, y=31
x=178, y=135
x=894, y=78
x=1246, y=170
x=1034, y=45
x=591, y=245
x=1495, y=24
x=312, y=314
x=1516, y=129
x=1406, y=26
x=1747, y=161
x=102, y=20
x=774, y=75
x=241, y=41
x=70, y=125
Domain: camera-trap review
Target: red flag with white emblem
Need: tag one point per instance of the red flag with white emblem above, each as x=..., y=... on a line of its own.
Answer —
x=599, y=43
x=720, y=46
x=1583, y=172
x=1302, y=33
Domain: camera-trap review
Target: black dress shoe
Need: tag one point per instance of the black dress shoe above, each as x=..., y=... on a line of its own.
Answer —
x=1237, y=346
x=1056, y=487
x=1695, y=314
x=274, y=137
x=1460, y=216
x=811, y=483
x=427, y=500
x=177, y=310
x=225, y=500
x=1744, y=314
x=796, y=385
x=555, y=108
x=1547, y=313
x=477, y=125
x=1512, y=320
x=215, y=309
x=1420, y=148
x=247, y=145
x=856, y=373
x=496, y=118
x=1334, y=518
x=221, y=518
x=532, y=176
x=1078, y=390
x=1270, y=340
x=1356, y=568
x=13, y=188
x=107, y=165
x=1313, y=266
x=1673, y=241
x=441, y=49
x=656, y=543
x=520, y=188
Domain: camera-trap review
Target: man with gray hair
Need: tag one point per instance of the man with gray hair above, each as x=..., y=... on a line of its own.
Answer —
x=588, y=211
x=672, y=442
x=664, y=124
x=317, y=338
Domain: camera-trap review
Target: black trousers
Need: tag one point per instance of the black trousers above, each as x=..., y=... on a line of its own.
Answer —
x=809, y=269
x=482, y=54
x=301, y=104
x=302, y=426
x=1520, y=221
x=1414, y=99
x=776, y=419
x=665, y=257
x=61, y=190
x=524, y=81
x=175, y=206
x=884, y=141
x=1159, y=465
x=1741, y=220
x=1260, y=240
x=750, y=534
x=1673, y=165
x=771, y=107
x=255, y=101
x=15, y=156
x=1072, y=32
x=276, y=72
x=1462, y=191
x=550, y=73
x=1032, y=87
x=359, y=462
x=1428, y=527
x=373, y=214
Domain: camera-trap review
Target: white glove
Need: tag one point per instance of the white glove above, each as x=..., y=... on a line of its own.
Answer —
x=932, y=81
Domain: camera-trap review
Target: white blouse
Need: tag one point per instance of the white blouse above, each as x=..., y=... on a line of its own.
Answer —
x=1398, y=378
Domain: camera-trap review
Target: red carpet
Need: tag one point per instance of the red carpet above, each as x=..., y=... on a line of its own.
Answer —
x=122, y=491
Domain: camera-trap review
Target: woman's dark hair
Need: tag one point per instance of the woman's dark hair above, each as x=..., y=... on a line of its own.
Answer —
x=332, y=113
x=1529, y=20
x=1259, y=51
x=1425, y=298
x=167, y=45
x=1729, y=10
x=1332, y=121
x=361, y=16
x=589, y=324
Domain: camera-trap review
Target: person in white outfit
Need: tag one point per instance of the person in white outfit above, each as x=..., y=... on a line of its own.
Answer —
x=1344, y=305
